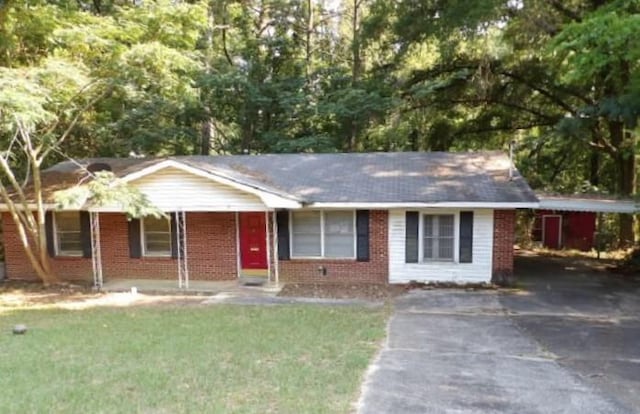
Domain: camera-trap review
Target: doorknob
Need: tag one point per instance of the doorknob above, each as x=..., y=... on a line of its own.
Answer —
x=255, y=249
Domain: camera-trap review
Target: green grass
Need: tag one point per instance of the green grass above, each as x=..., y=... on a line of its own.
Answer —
x=240, y=359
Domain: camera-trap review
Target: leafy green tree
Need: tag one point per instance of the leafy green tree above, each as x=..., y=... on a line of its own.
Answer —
x=558, y=77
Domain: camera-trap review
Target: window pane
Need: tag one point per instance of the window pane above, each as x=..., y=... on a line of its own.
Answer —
x=306, y=245
x=445, y=226
x=428, y=248
x=68, y=232
x=158, y=245
x=428, y=226
x=305, y=235
x=306, y=222
x=340, y=222
x=338, y=234
x=338, y=245
x=445, y=248
x=69, y=242
x=68, y=221
x=157, y=236
x=156, y=224
x=438, y=237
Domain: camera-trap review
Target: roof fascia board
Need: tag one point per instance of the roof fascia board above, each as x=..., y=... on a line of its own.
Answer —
x=270, y=199
x=33, y=206
x=398, y=205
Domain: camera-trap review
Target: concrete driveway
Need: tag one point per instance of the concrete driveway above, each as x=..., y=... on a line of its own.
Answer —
x=565, y=344
x=588, y=318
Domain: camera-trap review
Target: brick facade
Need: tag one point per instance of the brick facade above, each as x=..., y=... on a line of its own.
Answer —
x=17, y=264
x=376, y=270
x=211, y=251
x=504, y=230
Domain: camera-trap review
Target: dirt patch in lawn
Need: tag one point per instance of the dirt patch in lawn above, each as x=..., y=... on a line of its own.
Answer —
x=343, y=290
x=33, y=295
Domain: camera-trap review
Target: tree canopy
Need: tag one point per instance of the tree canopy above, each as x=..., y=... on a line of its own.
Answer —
x=558, y=78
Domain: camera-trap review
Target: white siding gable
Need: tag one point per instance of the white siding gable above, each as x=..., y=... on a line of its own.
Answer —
x=171, y=189
x=476, y=272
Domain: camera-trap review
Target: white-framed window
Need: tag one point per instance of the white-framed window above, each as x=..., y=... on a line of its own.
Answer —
x=438, y=237
x=330, y=234
x=156, y=236
x=67, y=239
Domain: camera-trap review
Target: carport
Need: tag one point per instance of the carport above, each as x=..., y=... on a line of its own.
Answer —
x=574, y=221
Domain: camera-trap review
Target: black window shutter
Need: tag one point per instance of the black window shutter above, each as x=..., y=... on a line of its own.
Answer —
x=466, y=236
x=174, y=235
x=282, y=220
x=135, y=247
x=85, y=233
x=412, y=221
x=362, y=235
x=49, y=233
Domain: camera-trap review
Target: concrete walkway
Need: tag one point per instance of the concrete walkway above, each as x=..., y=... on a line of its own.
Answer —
x=204, y=287
x=453, y=351
x=227, y=292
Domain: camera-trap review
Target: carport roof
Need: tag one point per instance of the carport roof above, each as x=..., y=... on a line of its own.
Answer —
x=588, y=203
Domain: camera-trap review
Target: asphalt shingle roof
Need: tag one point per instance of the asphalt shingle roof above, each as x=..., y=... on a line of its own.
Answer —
x=421, y=177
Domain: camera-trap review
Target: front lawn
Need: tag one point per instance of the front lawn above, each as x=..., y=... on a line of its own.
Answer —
x=170, y=359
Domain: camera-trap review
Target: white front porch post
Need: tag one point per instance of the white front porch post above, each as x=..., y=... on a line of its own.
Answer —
x=276, y=262
x=96, y=256
x=268, y=244
x=181, y=238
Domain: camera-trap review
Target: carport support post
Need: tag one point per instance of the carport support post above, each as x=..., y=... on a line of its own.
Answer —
x=598, y=235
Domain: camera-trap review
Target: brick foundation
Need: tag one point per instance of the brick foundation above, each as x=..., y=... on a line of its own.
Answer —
x=504, y=230
x=211, y=251
x=376, y=270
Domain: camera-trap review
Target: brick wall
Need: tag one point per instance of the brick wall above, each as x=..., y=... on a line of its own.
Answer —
x=18, y=265
x=504, y=227
x=211, y=252
x=376, y=270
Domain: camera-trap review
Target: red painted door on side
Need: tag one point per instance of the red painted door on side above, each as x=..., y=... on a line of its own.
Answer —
x=551, y=231
x=253, y=241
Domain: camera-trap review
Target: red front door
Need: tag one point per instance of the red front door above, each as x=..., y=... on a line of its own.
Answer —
x=253, y=241
x=551, y=231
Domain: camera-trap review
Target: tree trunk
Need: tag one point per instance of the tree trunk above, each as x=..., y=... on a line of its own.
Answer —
x=356, y=68
x=308, y=35
x=627, y=184
x=626, y=176
x=44, y=266
x=5, y=58
x=206, y=131
x=594, y=168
